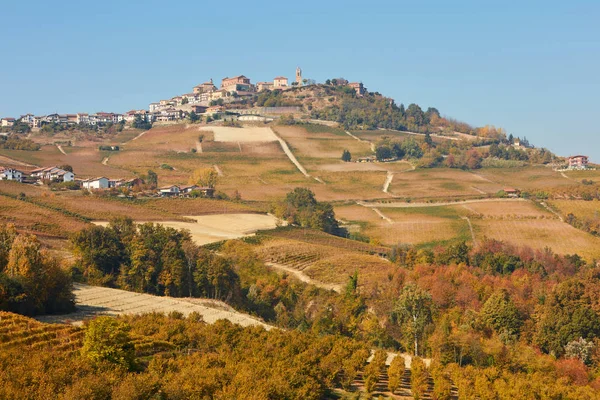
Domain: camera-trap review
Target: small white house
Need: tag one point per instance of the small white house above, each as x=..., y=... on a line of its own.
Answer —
x=96, y=183
x=172, y=190
x=10, y=174
x=63, y=176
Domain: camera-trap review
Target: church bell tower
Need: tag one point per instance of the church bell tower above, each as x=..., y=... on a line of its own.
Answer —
x=299, y=76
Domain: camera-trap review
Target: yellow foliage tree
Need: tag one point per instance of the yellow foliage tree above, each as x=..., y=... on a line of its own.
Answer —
x=206, y=177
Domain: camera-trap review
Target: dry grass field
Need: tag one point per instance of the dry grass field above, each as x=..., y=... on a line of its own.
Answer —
x=218, y=227
x=580, y=208
x=92, y=301
x=539, y=234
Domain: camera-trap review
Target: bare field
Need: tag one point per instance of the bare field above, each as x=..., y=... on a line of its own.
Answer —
x=580, y=208
x=179, y=137
x=92, y=301
x=539, y=234
x=246, y=134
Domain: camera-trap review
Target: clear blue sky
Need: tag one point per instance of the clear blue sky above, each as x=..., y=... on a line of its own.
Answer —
x=528, y=66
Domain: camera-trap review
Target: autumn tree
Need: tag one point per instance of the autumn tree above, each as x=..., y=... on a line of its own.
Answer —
x=107, y=339
x=418, y=378
x=413, y=310
x=206, y=177
x=395, y=373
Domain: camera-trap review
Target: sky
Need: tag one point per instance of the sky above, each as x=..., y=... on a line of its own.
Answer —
x=531, y=67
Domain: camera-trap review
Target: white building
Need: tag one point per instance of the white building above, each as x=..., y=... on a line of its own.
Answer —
x=53, y=174
x=96, y=183
x=10, y=174
x=172, y=190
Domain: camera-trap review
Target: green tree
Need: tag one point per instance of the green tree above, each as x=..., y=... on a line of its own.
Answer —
x=194, y=117
x=428, y=140
x=411, y=148
x=413, y=309
x=501, y=314
x=346, y=156
x=107, y=339
x=152, y=179
x=383, y=152
x=8, y=234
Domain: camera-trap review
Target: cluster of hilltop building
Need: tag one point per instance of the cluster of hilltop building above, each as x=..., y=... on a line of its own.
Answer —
x=178, y=107
x=231, y=89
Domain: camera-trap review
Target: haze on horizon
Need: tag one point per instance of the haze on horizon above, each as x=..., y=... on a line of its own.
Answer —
x=529, y=68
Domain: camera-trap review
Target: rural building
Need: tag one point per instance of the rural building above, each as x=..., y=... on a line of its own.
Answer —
x=280, y=82
x=168, y=191
x=261, y=86
x=206, y=87
x=215, y=110
x=198, y=109
x=188, y=189
x=8, y=121
x=358, y=87
x=367, y=159
x=53, y=174
x=512, y=192
x=578, y=162
x=28, y=119
x=10, y=174
x=96, y=183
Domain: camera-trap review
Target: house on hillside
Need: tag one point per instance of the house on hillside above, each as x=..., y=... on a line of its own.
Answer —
x=27, y=119
x=95, y=183
x=8, y=121
x=10, y=174
x=512, y=192
x=185, y=191
x=206, y=87
x=280, y=82
x=358, y=87
x=578, y=162
x=169, y=191
x=215, y=110
x=262, y=86
x=53, y=174
x=198, y=109
x=236, y=84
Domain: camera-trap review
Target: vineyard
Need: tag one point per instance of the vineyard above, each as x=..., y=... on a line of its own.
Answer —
x=315, y=237
x=19, y=331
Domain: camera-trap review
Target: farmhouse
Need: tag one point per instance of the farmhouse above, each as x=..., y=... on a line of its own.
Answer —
x=10, y=174
x=205, y=191
x=215, y=110
x=53, y=174
x=578, y=162
x=366, y=159
x=169, y=191
x=198, y=109
x=96, y=183
x=512, y=192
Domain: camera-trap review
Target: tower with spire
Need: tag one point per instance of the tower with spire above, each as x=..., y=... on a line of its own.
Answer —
x=298, y=76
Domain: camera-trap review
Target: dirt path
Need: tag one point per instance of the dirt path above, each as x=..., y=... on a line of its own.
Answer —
x=478, y=190
x=565, y=176
x=137, y=137
x=388, y=181
x=552, y=211
x=471, y=229
x=105, y=161
x=219, y=172
x=382, y=215
x=93, y=300
x=61, y=149
x=198, y=147
x=291, y=156
x=305, y=278
x=416, y=205
x=421, y=134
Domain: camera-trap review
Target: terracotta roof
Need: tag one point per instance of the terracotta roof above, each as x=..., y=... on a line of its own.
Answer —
x=281, y=77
